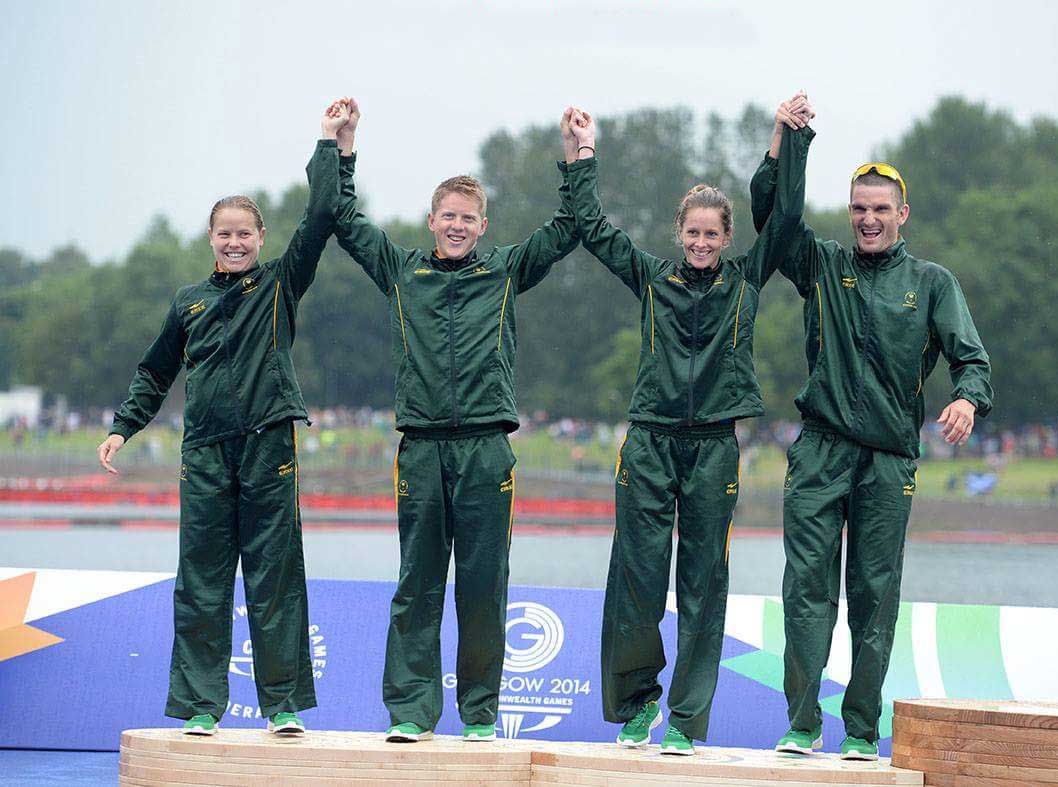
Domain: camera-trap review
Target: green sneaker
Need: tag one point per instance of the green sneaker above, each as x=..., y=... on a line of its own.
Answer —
x=408, y=732
x=479, y=732
x=286, y=724
x=675, y=742
x=636, y=731
x=203, y=724
x=801, y=741
x=858, y=749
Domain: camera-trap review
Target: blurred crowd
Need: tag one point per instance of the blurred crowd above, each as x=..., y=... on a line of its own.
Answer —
x=1028, y=441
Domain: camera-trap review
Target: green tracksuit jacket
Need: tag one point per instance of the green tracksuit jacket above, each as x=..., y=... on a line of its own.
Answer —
x=453, y=331
x=233, y=333
x=875, y=325
x=696, y=356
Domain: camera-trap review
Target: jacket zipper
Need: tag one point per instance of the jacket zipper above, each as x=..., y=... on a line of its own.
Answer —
x=452, y=345
x=694, y=352
x=866, y=343
x=231, y=371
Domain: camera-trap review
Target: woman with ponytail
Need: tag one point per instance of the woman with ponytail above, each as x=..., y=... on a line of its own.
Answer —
x=695, y=379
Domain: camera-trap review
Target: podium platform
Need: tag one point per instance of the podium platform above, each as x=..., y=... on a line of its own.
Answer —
x=253, y=757
x=974, y=743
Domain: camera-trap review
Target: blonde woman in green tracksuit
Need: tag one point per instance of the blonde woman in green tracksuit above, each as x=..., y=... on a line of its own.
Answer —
x=695, y=379
x=233, y=334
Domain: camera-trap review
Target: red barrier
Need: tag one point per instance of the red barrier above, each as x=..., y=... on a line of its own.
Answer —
x=89, y=491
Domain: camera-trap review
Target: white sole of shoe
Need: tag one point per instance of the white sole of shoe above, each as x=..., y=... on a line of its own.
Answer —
x=200, y=730
x=286, y=729
x=791, y=748
x=479, y=738
x=855, y=755
x=673, y=750
x=407, y=737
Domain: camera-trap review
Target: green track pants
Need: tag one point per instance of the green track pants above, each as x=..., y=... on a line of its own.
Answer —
x=830, y=481
x=450, y=492
x=658, y=473
x=239, y=499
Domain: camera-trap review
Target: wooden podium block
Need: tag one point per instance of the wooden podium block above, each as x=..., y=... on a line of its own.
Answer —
x=972, y=743
x=232, y=758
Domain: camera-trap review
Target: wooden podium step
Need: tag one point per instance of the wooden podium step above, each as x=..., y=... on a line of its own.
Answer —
x=253, y=757
x=973, y=743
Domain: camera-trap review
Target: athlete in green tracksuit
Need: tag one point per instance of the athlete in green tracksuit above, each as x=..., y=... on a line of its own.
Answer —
x=876, y=320
x=239, y=474
x=695, y=379
x=452, y=316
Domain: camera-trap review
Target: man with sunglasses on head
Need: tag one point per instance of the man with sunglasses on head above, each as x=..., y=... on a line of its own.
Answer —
x=876, y=320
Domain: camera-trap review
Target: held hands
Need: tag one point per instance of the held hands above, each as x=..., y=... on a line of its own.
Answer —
x=334, y=118
x=582, y=124
x=958, y=420
x=108, y=449
x=347, y=133
x=569, y=140
x=572, y=119
x=795, y=113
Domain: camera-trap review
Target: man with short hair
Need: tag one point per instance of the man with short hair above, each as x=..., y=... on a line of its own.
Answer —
x=452, y=321
x=876, y=320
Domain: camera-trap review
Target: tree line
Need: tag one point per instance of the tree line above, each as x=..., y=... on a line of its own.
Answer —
x=983, y=189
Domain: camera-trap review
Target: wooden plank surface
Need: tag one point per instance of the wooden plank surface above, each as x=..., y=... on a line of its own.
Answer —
x=983, y=770
x=975, y=746
x=982, y=732
x=236, y=757
x=1015, y=760
x=1007, y=713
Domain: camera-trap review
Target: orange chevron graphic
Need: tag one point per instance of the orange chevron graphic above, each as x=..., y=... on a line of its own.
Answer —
x=16, y=638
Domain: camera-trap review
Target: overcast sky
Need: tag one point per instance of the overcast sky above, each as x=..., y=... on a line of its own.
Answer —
x=112, y=111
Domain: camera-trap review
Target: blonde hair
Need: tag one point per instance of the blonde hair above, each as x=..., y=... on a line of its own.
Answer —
x=463, y=185
x=240, y=202
x=702, y=196
x=874, y=179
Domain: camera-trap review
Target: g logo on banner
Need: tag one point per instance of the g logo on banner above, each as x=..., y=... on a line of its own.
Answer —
x=532, y=703
x=538, y=626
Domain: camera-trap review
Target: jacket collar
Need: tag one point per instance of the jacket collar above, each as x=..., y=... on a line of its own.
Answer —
x=692, y=275
x=453, y=265
x=225, y=279
x=882, y=260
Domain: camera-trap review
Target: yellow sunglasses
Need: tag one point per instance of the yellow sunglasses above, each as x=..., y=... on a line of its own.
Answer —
x=886, y=171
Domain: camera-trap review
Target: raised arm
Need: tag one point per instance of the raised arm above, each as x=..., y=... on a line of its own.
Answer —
x=151, y=382
x=365, y=242
x=784, y=230
x=801, y=261
x=610, y=245
x=297, y=266
x=531, y=260
x=795, y=113
x=968, y=364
